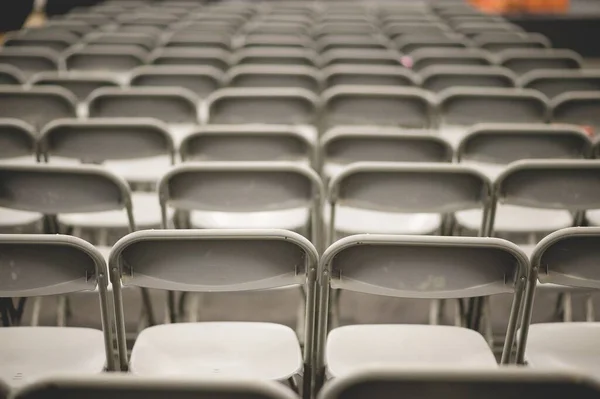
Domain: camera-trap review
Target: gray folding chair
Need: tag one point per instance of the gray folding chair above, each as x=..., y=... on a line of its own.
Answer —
x=215, y=58
x=567, y=257
x=258, y=40
x=217, y=261
x=453, y=56
x=371, y=75
x=202, y=80
x=438, y=78
x=92, y=19
x=10, y=75
x=30, y=60
x=37, y=105
x=501, y=43
x=474, y=28
x=78, y=28
x=191, y=39
x=128, y=387
x=577, y=108
x=145, y=42
x=161, y=21
x=459, y=108
x=275, y=56
x=81, y=84
x=105, y=59
x=553, y=83
x=49, y=32
x=527, y=60
x=372, y=57
x=397, y=29
x=344, y=27
x=342, y=146
x=52, y=265
x=248, y=143
x=279, y=28
x=377, y=105
x=176, y=107
x=408, y=44
x=415, y=267
x=274, y=76
x=404, y=198
x=54, y=41
x=386, y=382
x=490, y=147
x=348, y=41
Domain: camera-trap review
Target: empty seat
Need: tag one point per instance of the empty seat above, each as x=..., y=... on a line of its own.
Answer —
x=275, y=56
x=491, y=147
x=396, y=30
x=409, y=44
x=162, y=20
x=342, y=146
x=143, y=41
x=52, y=265
x=138, y=149
x=202, y=80
x=209, y=27
x=523, y=61
x=175, y=106
x=376, y=105
x=438, y=78
x=92, y=19
x=117, y=387
x=460, y=108
x=413, y=267
x=496, y=43
x=474, y=28
x=361, y=57
x=386, y=382
x=105, y=58
x=10, y=75
x=262, y=106
x=277, y=28
x=468, y=57
x=17, y=141
x=553, y=83
x=578, y=108
x=78, y=28
x=38, y=105
x=215, y=58
x=30, y=60
x=566, y=257
x=248, y=143
x=369, y=75
x=190, y=39
x=81, y=84
x=343, y=27
x=151, y=30
x=331, y=42
x=253, y=40
x=55, y=41
x=273, y=76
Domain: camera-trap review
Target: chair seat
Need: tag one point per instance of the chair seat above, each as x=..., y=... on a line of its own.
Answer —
x=564, y=346
x=230, y=349
x=144, y=170
x=23, y=160
x=359, y=347
x=350, y=221
x=518, y=219
x=14, y=218
x=31, y=353
x=593, y=217
x=290, y=219
x=146, y=213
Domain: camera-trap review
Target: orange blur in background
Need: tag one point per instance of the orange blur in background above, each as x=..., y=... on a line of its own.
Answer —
x=522, y=6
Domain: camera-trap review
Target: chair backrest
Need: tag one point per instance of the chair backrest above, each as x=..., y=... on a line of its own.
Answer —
x=467, y=106
x=348, y=41
x=398, y=29
x=17, y=139
x=550, y=184
x=375, y=105
x=169, y=104
x=501, y=43
x=450, y=56
x=54, y=190
x=246, y=143
x=10, y=75
x=385, y=57
x=506, y=143
x=369, y=75
x=527, y=60
x=578, y=108
x=78, y=28
x=274, y=76
x=30, y=60
x=347, y=145
x=216, y=58
x=438, y=78
x=472, y=384
x=258, y=40
x=407, y=44
x=202, y=80
x=54, y=41
x=81, y=84
x=104, y=58
x=191, y=39
x=37, y=105
x=275, y=56
x=433, y=188
x=144, y=41
x=553, y=83
x=474, y=28
x=99, y=140
x=49, y=32
x=288, y=106
x=120, y=387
